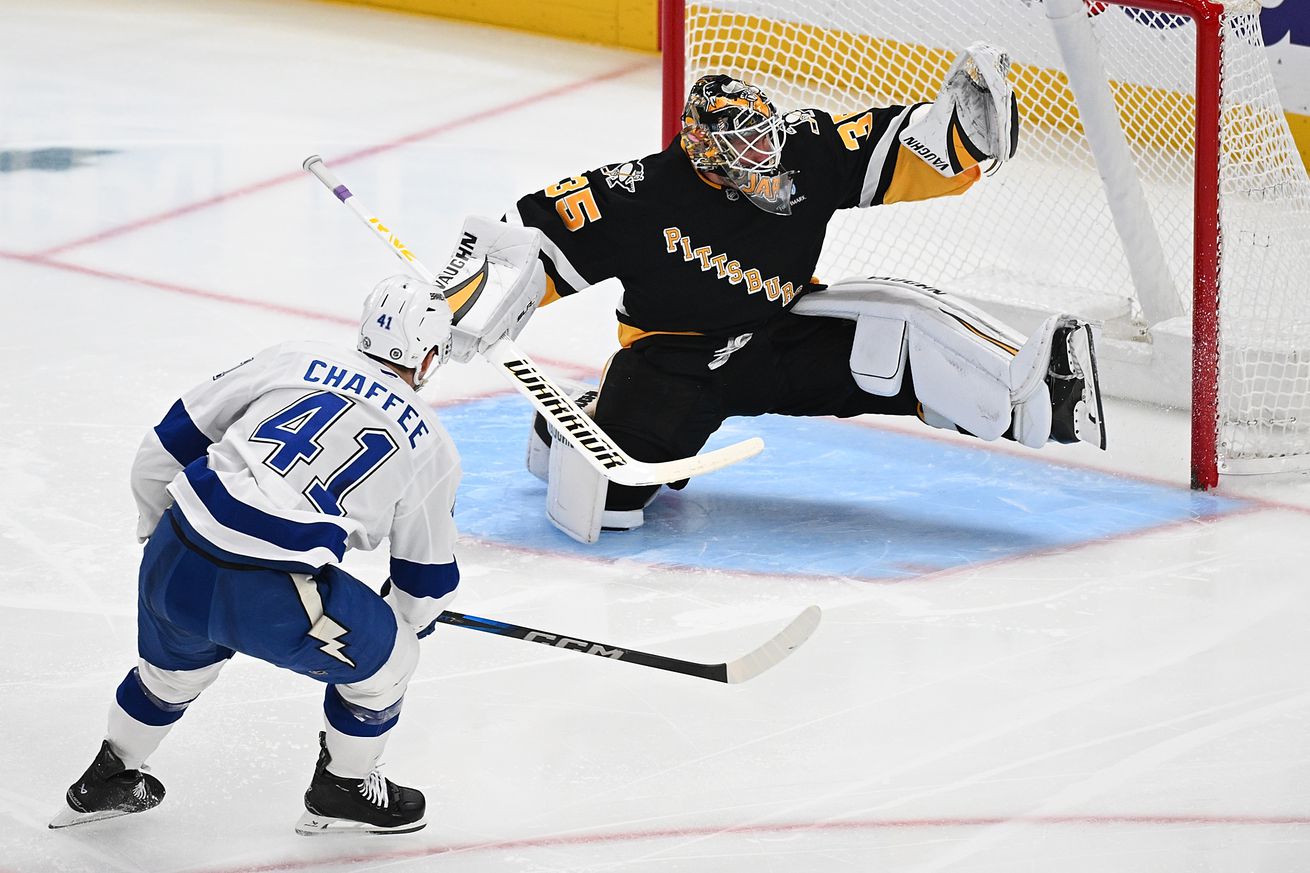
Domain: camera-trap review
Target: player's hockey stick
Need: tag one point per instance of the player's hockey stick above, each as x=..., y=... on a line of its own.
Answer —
x=565, y=416
x=748, y=666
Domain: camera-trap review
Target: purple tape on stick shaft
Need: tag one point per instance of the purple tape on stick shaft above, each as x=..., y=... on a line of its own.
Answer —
x=342, y=192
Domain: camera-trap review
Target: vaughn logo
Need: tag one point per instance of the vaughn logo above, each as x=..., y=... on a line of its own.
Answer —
x=926, y=153
x=458, y=261
x=911, y=282
x=625, y=176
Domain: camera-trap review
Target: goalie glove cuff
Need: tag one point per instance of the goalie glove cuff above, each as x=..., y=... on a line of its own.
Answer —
x=974, y=118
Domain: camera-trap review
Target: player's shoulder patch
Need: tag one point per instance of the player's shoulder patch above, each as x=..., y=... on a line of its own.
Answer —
x=626, y=175
x=801, y=121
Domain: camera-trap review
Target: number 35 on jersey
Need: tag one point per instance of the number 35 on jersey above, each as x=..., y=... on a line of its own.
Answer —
x=574, y=201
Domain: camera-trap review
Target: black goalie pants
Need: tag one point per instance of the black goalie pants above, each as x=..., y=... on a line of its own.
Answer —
x=661, y=400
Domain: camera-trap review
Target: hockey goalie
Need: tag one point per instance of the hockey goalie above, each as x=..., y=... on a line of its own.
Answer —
x=716, y=239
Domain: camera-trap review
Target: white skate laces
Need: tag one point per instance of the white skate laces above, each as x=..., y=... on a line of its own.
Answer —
x=374, y=788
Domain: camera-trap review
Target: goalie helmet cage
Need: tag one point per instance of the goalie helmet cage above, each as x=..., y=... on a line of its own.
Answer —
x=1157, y=187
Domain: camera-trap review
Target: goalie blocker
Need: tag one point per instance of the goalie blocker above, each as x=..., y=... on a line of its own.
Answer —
x=493, y=283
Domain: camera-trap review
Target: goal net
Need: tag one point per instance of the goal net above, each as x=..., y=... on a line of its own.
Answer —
x=1157, y=188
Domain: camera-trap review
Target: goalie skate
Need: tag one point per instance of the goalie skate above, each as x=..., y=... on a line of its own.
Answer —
x=372, y=805
x=1076, y=410
x=108, y=790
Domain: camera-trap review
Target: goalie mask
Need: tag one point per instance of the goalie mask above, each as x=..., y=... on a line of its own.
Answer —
x=734, y=130
x=404, y=319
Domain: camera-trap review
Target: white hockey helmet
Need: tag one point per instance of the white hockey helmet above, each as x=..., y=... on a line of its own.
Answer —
x=405, y=318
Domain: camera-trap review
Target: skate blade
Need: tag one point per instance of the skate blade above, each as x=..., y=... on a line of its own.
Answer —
x=311, y=825
x=69, y=817
x=1089, y=415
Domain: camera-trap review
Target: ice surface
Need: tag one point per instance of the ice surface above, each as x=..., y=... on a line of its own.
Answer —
x=1028, y=661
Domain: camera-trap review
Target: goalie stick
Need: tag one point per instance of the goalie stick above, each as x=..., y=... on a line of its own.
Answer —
x=565, y=416
x=748, y=666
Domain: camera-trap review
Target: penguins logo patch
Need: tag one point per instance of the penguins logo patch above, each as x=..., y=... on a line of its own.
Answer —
x=625, y=176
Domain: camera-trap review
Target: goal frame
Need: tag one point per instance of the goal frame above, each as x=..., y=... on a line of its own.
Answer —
x=1206, y=252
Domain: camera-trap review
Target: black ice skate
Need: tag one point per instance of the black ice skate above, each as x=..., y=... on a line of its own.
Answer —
x=373, y=805
x=1076, y=411
x=107, y=790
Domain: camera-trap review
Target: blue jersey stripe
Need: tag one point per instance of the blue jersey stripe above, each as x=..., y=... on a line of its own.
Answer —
x=291, y=536
x=424, y=580
x=180, y=436
x=194, y=540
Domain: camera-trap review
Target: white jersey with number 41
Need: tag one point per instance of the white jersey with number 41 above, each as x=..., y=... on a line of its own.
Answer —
x=298, y=454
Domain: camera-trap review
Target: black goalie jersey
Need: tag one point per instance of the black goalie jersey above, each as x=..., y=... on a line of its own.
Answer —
x=697, y=257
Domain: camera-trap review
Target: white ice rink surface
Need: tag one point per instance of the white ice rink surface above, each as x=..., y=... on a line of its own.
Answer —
x=1136, y=700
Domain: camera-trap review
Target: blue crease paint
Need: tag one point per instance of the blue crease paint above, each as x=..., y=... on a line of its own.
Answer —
x=825, y=498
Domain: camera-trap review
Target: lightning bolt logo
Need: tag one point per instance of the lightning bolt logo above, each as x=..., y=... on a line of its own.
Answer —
x=327, y=630
x=321, y=626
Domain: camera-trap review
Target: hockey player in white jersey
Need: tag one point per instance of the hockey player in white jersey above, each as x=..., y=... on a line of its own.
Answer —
x=251, y=490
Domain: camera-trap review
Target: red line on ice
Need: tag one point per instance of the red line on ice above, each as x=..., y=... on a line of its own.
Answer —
x=340, y=861
x=173, y=287
x=256, y=187
x=574, y=370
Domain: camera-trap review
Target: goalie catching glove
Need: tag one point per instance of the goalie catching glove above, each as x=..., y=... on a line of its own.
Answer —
x=493, y=283
x=975, y=117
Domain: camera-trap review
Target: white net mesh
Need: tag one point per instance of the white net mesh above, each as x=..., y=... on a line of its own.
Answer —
x=1039, y=236
x=1265, y=267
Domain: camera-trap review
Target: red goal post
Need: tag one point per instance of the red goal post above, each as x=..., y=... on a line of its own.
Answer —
x=1157, y=188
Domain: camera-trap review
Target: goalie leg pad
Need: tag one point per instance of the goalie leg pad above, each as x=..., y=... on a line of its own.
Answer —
x=575, y=493
x=539, y=437
x=538, y=459
x=961, y=358
x=878, y=354
x=971, y=371
x=1032, y=419
x=1032, y=397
